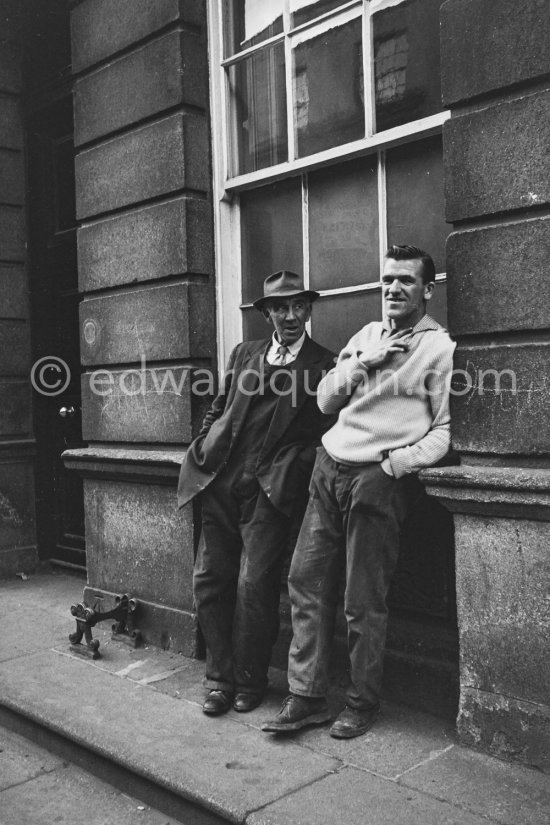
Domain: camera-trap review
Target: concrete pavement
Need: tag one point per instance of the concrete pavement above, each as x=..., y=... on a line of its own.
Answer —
x=135, y=715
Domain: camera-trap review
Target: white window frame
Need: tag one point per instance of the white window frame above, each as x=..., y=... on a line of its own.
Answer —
x=226, y=189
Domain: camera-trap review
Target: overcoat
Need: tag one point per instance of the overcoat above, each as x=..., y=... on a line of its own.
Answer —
x=287, y=455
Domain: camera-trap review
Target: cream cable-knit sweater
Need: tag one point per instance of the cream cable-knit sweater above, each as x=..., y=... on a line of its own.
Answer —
x=399, y=410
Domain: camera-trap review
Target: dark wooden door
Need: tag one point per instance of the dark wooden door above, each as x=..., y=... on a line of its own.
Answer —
x=54, y=306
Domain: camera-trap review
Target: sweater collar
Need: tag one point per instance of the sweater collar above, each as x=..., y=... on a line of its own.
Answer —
x=426, y=322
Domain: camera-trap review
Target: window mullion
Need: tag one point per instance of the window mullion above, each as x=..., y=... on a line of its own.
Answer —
x=368, y=72
x=305, y=227
x=291, y=137
x=382, y=209
x=305, y=236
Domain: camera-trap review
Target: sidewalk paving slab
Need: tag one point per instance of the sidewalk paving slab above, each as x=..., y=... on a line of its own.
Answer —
x=509, y=794
x=140, y=709
x=21, y=760
x=37, y=788
x=202, y=758
x=354, y=797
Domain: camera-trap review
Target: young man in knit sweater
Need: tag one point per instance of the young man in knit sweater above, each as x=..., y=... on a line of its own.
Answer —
x=390, y=387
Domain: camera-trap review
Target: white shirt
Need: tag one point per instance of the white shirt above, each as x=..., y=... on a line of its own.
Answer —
x=274, y=358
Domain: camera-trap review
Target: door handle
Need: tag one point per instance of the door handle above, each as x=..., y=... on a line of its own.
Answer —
x=66, y=412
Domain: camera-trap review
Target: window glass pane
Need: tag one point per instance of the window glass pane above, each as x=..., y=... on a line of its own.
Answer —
x=258, y=108
x=304, y=10
x=335, y=319
x=271, y=234
x=343, y=225
x=437, y=305
x=328, y=89
x=248, y=22
x=406, y=62
x=254, y=325
x=415, y=202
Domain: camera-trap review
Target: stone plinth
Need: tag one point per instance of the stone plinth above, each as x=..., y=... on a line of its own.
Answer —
x=137, y=541
x=503, y=586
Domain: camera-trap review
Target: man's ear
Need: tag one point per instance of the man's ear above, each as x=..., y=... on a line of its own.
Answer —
x=266, y=315
x=429, y=290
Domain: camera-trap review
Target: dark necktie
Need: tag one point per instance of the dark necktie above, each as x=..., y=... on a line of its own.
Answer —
x=282, y=352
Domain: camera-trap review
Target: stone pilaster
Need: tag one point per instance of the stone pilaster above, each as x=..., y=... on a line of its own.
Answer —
x=496, y=71
x=145, y=255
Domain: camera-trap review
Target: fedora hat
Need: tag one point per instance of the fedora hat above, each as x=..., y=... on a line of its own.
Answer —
x=284, y=284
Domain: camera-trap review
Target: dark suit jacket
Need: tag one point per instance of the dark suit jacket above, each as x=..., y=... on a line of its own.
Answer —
x=288, y=452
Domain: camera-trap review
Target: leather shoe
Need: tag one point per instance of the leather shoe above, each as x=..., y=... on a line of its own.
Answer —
x=354, y=722
x=298, y=712
x=217, y=702
x=245, y=702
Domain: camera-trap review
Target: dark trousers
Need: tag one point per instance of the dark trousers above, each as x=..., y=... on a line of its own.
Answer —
x=353, y=518
x=237, y=581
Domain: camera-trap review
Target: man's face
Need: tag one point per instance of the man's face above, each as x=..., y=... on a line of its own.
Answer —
x=288, y=316
x=404, y=292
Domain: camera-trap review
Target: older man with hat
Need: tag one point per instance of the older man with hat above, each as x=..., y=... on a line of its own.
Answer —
x=251, y=465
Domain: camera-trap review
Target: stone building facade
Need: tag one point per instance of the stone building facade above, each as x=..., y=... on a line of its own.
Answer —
x=119, y=279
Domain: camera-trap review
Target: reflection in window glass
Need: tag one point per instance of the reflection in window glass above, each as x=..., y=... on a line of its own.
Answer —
x=271, y=234
x=415, y=201
x=304, y=10
x=328, y=89
x=258, y=107
x=343, y=225
x=406, y=62
x=248, y=22
x=335, y=319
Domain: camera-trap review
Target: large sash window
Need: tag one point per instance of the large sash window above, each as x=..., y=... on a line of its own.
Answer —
x=327, y=147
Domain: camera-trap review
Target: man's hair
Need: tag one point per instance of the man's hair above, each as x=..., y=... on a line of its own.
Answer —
x=413, y=253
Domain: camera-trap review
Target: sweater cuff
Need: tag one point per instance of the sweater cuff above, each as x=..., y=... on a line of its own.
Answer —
x=399, y=463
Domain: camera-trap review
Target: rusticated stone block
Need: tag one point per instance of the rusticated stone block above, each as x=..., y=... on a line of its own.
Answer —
x=497, y=159
x=12, y=234
x=15, y=348
x=161, y=323
x=15, y=408
x=137, y=405
x=484, y=267
x=490, y=44
x=12, y=181
x=100, y=28
x=500, y=399
x=11, y=130
x=10, y=68
x=165, y=239
x=138, y=542
x=504, y=641
x=17, y=527
x=157, y=159
x=165, y=73
x=13, y=289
